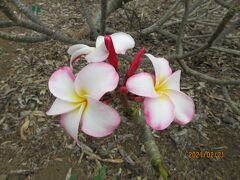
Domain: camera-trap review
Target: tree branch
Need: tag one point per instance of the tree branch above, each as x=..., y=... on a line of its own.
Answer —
x=7, y=11
x=55, y=35
x=184, y=65
x=223, y=3
x=210, y=41
x=6, y=24
x=103, y=16
x=86, y=13
x=112, y=6
x=25, y=10
x=179, y=47
x=149, y=142
x=229, y=101
x=171, y=11
x=23, y=39
x=39, y=28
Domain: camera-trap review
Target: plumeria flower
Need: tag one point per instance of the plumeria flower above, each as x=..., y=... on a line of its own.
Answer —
x=78, y=99
x=163, y=102
x=121, y=41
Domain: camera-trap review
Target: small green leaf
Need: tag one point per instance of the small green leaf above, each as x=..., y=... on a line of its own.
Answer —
x=36, y=8
x=74, y=176
x=101, y=174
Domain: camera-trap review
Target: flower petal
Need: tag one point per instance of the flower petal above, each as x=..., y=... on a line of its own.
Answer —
x=141, y=84
x=96, y=79
x=159, y=112
x=184, y=106
x=75, y=47
x=70, y=122
x=98, y=119
x=173, y=81
x=61, y=84
x=99, y=54
x=122, y=42
x=161, y=68
x=75, y=55
x=61, y=107
x=99, y=41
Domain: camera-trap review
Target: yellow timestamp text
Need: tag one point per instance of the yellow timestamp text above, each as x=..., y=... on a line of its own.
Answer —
x=205, y=154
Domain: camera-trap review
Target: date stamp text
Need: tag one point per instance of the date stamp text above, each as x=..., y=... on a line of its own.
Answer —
x=205, y=154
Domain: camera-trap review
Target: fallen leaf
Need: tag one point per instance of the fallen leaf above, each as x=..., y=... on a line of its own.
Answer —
x=24, y=128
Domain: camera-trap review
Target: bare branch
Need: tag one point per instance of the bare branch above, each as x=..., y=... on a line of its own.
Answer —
x=55, y=35
x=112, y=6
x=39, y=28
x=24, y=9
x=157, y=26
x=103, y=16
x=206, y=77
x=223, y=3
x=232, y=27
x=210, y=41
x=86, y=13
x=171, y=11
x=229, y=101
x=179, y=47
x=185, y=66
x=229, y=51
x=174, y=37
x=24, y=39
x=7, y=11
x=6, y=24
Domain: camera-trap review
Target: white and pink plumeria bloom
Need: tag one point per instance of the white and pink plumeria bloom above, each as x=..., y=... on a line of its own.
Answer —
x=77, y=99
x=121, y=41
x=163, y=102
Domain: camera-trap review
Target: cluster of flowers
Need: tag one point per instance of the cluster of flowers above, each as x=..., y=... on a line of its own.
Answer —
x=78, y=96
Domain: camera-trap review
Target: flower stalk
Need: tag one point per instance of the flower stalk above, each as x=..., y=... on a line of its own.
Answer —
x=150, y=144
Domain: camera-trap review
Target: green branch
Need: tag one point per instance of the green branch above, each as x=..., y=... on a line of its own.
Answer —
x=150, y=144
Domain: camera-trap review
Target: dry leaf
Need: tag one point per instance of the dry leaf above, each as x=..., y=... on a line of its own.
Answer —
x=39, y=113
x=24, y=128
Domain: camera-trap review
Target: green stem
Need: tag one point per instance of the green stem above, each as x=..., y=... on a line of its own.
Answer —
x=150, y=144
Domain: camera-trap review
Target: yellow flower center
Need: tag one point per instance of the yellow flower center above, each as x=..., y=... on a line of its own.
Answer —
x=160, y=87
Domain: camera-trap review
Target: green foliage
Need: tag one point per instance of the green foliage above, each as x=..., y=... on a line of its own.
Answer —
x=101, y=174
x=74, y=176
x=36, y=8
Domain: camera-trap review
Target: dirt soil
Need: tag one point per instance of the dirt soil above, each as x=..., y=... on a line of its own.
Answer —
x=34, y=146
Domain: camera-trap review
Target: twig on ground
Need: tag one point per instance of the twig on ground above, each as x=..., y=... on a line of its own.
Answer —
x=23, y=171
x=87, y=150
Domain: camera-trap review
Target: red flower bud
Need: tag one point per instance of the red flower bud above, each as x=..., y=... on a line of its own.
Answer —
x=123, y=90
x=112, y=58
x=134, y=64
